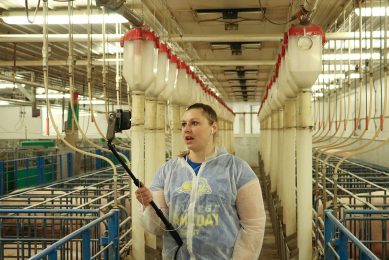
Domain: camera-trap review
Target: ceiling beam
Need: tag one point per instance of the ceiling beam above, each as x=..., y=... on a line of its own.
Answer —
x=233, y=63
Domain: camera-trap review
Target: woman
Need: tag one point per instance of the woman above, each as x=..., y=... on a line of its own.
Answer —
x=212, y=198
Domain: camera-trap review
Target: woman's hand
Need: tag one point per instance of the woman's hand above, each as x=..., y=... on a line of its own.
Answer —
x=144, y=196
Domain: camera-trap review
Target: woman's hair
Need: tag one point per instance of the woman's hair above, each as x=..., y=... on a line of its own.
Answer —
x=208, y=111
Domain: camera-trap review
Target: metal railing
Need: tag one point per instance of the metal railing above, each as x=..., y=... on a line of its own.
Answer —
x=109, y=248
x=336, y=239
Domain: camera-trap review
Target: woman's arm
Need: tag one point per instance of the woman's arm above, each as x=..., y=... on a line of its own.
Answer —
x=252, y=216
x=151, y=222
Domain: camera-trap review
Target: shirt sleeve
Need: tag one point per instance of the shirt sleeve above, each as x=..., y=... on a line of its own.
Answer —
x=150, y=220
x=251, y=210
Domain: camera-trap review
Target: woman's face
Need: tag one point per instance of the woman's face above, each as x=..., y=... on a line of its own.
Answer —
x=196, y=130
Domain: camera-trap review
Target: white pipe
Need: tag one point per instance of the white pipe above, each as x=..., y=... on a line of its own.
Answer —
x=269, y=137
x=160, y=145
x=28, y=63
x=150, y=148
x=289, y=149
x=176, y=130
x=280, y=155
x=137, y=166
x=175, y=38
x=304, y=175
x=274, y=145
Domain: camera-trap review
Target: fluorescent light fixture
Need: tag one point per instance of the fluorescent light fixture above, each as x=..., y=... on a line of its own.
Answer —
x=325, y=77
x=320, y=87
x=110, y=59
x=52, y=96
x=375, y=11
x=60, y=17
x=6, y=85
x=4, y=103
x=318, y=94
x=337, y=67
x=94, y=102
x=352, y=56
x=354, y=44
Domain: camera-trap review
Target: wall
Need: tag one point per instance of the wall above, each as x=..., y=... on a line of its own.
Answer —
x=362, y=136
x=246, y=131
x=17, y=123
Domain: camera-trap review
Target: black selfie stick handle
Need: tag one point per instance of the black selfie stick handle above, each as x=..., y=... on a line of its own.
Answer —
x=158, y=211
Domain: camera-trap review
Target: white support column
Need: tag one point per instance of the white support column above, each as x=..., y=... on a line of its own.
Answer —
x=304, y=175
x=274, y=145
x=280, y=156
x=160, y=145
x=267, y=147
x=289, y=165
x=150, y=165
x=176, y=130
x=137, y=166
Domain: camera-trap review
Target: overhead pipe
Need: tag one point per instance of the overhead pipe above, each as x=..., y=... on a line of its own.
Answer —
x=175, y=38
x=121, y=8
x=233, y=63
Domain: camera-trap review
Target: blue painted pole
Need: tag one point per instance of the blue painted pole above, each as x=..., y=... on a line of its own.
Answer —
x=329, y=234
x=2, y=178
x=343, y=246
x=84, y=164
x=70, y=164
x=86, y=245
x=113, y=235
x=40, y=162
x=53, y=163
x=15, y=174
x=60, y=166
x=53, y=255
x=98, y=160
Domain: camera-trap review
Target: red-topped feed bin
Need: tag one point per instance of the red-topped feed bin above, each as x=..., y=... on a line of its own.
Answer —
x=171, y=78
x=139, y=58
x=304, y=61
x=182, y=93
x=162, y=71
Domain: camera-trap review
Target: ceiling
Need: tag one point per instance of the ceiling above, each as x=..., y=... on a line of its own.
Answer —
x=233, y=45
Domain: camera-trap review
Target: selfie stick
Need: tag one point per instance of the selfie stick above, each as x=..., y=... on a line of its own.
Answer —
x=116, y=123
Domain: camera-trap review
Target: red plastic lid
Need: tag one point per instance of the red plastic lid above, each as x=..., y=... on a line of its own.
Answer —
x=173, y=58
x=285, y=38
x=181, y=65
x=138, y=34
x=162, y=46
x=310, y=30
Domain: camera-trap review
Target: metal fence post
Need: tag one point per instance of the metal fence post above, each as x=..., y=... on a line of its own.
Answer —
x=98, y=160
x=40, y=163
x=53, y=163
x=113, y=235
x=86, y=245
x=70, y=164
x=342, y=246
x=2, y=178
x=329, y=234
